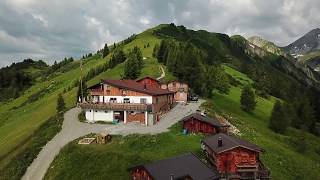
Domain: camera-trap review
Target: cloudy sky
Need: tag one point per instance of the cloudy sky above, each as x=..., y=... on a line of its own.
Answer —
x=53, y=29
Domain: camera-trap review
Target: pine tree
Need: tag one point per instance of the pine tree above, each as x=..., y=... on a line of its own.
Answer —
x=133, y=64
x=105, y=51
x=279, y=120
x=60, y=104
x=247, y=101
x=306, y=114
x=155, y=50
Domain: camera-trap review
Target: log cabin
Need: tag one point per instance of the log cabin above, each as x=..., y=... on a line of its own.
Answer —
x=198, y=123
x=183, y=167
x=180, y=90
x=234, y=158
x=126, y=101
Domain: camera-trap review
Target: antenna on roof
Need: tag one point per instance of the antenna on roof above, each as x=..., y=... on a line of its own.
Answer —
x=81, y=80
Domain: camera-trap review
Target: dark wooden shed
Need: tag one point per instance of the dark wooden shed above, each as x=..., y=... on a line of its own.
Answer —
x=183, y=167
x=197, y=123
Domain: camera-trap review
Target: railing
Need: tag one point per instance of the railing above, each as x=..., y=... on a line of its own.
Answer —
x=263, y=173
x=96, y=92
x=117, y=106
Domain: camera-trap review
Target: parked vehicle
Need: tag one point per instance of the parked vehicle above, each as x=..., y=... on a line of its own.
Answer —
x=193, y=98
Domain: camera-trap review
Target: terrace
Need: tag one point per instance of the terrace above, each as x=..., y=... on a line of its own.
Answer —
x=117, y=106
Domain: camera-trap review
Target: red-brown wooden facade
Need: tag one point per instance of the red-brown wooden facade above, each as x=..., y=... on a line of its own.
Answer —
x=196, y=126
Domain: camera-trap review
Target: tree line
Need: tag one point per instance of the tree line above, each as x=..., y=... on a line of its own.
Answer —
x=187, y=63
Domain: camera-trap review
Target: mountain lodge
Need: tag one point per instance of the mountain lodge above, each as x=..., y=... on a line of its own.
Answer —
x=127, y=100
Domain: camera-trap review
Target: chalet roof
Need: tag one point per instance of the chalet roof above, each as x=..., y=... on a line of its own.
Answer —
x=206, y=119
x=228, y=143
x=187, y=165
x=135, y=86
x=148, y=77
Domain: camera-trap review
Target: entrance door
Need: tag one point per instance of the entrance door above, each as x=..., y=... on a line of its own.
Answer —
x=119, y=115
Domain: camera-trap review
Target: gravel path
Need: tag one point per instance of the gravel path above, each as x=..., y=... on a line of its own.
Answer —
x=163, y=74
x=72, y=128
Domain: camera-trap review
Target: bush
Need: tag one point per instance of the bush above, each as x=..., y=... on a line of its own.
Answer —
x=82, y=116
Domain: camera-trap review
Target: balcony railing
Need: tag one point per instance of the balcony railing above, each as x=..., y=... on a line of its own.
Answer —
x=117, y=106
x=96, y=92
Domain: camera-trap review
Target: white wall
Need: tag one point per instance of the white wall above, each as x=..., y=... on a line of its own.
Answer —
x=100, y=115
x=133, y=99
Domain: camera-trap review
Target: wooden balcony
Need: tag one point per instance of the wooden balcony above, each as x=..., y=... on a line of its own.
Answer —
x=96, y=92
x=117, y=106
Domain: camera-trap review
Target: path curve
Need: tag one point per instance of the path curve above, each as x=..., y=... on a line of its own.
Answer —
x=163, y=74
x=72, y=128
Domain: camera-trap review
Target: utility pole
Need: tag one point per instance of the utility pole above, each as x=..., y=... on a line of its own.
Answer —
x=81, y=80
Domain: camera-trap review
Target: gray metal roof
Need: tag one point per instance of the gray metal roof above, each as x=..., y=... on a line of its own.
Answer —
x=228, y=143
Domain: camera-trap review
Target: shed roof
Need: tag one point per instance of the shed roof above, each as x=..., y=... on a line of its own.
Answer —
x=228, y=143
x=187, y=165
x=206, y=119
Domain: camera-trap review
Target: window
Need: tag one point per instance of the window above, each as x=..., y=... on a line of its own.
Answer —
x=108, y=87
x=157, y=99
x=124, y=92
x=89, y=110
x=181, y=89
x=126, y=100
x=106, y=111
x=143, y=100
x=113, y=100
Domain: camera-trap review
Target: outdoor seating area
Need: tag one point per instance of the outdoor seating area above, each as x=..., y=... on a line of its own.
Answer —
x=100, y=138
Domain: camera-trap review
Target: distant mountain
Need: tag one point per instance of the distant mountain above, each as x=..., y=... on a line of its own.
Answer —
x=266, y=45
x=307, y=43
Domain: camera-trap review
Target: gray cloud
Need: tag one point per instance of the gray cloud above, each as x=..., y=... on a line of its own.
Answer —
x=54, y=29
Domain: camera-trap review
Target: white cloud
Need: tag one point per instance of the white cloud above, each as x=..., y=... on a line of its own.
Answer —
x=58, y=28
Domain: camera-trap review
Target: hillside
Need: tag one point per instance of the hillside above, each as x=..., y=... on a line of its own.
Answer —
x=279, y=149
x=17, y=77
x=266, y=45
x=21, y=117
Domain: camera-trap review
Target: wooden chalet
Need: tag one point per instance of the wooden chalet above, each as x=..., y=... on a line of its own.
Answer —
x=183, y=167
x=127, y=101
x=180, y=90
x=198, y=123
x=234, y=158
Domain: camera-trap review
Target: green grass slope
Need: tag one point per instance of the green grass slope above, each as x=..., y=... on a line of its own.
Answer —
x=21, y=117
x=280, y=155
x=111, y=161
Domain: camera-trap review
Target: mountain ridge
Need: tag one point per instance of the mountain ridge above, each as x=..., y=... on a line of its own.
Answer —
x=307, y=43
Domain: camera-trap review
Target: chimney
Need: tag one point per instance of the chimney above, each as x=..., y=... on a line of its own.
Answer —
x=219, y=142
x=144, y=86
x=171, y=177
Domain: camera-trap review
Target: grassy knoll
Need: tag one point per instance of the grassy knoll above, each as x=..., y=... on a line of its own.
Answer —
x=111, y=161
